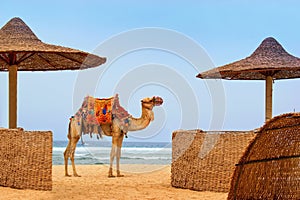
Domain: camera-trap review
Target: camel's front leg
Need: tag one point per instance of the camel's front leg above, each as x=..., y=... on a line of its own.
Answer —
x=118, y=162
x=117, y=139
x=120, y=141
x=112, y=157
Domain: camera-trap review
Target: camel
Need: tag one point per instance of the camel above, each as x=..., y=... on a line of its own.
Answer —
x=114, y=130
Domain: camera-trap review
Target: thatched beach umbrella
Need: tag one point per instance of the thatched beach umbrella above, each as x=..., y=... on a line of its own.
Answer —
x=21, y=50
x=268, y=62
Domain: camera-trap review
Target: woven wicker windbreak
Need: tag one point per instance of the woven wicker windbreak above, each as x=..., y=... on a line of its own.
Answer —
x=209, y=165
x=26, y=159
x=270, y=167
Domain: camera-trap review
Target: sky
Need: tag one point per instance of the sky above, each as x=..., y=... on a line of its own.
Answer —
x=154, y=48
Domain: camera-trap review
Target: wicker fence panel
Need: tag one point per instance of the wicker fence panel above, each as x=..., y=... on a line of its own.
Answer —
x=205, y=161
x=270, y=166
x=26, y=159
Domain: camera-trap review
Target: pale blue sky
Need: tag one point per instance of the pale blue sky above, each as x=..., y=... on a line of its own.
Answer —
x=227, y=31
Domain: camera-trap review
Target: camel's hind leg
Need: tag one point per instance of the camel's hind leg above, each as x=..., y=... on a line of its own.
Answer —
x=73, y=147
x=73, y=137
x=66, y=157
x=69, y=152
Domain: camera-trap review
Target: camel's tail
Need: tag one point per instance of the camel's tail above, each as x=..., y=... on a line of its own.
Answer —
x=69, y=129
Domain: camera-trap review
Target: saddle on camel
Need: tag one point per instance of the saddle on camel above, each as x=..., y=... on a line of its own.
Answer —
x=106, y=117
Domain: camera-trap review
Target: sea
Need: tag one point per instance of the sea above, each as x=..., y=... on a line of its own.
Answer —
x=98, y=152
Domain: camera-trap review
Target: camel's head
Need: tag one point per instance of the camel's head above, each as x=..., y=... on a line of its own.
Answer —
x=154, y=101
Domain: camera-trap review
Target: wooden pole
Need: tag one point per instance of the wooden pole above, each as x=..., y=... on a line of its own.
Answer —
x=269, y=91
x=12, y=90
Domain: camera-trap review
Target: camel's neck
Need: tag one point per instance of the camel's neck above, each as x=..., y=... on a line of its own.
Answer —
x=142, y=122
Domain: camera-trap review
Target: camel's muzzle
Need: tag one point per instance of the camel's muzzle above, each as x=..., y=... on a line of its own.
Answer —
x=158, y=101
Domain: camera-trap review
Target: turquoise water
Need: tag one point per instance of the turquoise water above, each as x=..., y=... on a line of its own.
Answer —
x=97, y=152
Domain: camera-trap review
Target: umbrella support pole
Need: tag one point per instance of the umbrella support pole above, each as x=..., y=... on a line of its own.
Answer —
x=269, y=91
x=12, y=89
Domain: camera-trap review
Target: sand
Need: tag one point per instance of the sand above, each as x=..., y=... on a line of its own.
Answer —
x=140, y=182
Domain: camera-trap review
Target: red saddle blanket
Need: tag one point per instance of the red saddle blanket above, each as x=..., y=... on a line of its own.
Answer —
x=96, y=111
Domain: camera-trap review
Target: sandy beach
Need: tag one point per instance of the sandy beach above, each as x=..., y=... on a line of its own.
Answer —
x=140, y=182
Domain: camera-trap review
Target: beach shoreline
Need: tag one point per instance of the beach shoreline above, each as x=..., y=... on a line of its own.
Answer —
x=152, y=183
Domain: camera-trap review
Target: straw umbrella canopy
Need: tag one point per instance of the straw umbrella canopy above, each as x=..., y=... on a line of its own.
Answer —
x=21, y=50
x=268, y=62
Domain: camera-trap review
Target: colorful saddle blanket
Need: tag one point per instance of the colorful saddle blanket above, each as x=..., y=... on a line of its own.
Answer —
x=102, y=109
x=95, y=112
